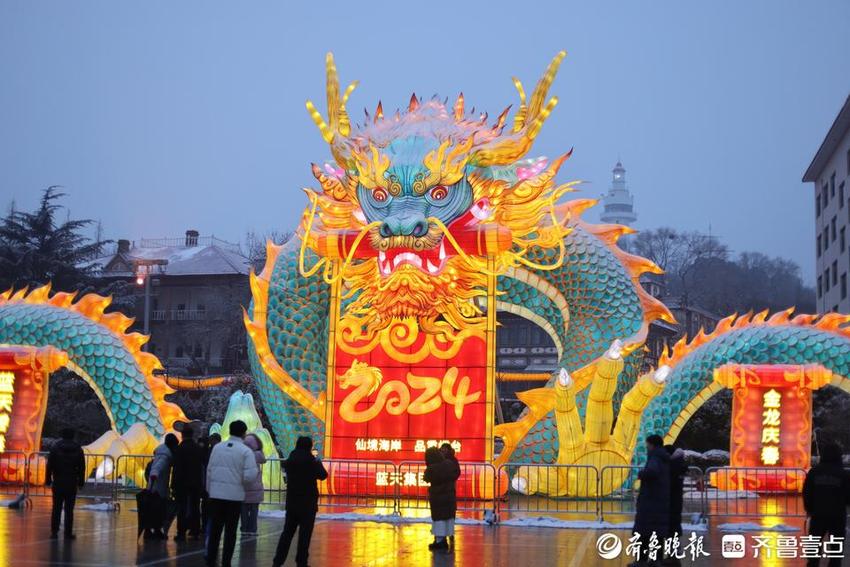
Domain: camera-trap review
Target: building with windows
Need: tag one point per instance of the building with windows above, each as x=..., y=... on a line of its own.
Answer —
x=197, y=288
x=829, y=171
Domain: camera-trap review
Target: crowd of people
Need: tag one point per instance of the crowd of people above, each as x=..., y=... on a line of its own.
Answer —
x=213, y=486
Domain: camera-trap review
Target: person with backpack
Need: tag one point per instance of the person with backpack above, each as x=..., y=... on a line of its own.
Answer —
x=66, y=471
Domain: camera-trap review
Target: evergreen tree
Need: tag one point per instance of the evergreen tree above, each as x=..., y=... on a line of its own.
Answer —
x=36, y=247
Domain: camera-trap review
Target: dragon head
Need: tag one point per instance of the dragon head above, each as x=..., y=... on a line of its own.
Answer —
x=415, y=203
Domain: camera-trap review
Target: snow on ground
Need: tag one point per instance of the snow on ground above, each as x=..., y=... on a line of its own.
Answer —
x=98, y=507
x=548, y=522
x=379, y=518
x=752, y=527
x=714, y=494
x=529, y=522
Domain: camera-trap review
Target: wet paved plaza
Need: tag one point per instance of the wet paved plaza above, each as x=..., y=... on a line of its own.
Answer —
x=108, y=539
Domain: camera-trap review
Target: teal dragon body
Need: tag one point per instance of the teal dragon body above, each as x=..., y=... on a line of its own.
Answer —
x=781, y=339
x=98, y=349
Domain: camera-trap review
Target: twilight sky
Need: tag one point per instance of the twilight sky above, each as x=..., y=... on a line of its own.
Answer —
x=162, y=116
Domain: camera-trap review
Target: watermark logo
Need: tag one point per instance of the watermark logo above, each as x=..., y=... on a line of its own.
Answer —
x=734, y=546
x=609, y=546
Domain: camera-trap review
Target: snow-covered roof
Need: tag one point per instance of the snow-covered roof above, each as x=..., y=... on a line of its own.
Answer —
x=210, y=256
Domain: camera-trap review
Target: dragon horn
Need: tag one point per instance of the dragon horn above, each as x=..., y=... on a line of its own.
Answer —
x=458, y=108
x=338, y=123
x=527, y=122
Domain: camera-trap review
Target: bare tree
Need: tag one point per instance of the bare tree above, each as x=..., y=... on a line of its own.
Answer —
x=679, y=254
x=255, y=245
x=701, y=271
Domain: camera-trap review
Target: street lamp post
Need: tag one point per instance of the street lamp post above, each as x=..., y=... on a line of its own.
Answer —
x=144, y=269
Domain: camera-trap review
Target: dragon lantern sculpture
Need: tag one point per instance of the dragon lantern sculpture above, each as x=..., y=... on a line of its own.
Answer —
x=374, y=330
x=429, y=221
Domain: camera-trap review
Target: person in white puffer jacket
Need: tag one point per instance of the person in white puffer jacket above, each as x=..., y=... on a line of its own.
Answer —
x=231, y=469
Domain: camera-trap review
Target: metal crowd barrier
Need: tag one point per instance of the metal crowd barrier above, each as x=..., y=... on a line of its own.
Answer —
x=549, y=489
x=274, y=482
x=619, y=504
x=13, y=473
x=753, y=492
x=384, y=487
x=128, y=476
x=477, y=488
x=98, y=484
x=359, y=485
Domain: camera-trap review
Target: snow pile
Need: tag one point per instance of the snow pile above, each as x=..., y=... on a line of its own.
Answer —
x=549, y=522
x=526, y=522
x=379, y=518
x=14, y=503
x=714, y=494
x=716, y=455
x=752, y=527
x=98, y=507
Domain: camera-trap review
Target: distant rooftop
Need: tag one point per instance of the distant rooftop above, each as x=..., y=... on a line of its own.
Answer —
x=192, y=255
x=181, y=242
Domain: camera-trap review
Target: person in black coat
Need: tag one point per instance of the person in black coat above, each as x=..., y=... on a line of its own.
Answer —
x=303, y=470
x=66, y=470
x=653, y=501
x=441, y=474
x=186, y=484
x=678, y=470
x=826, y=494
x=449, y=455
x=207, y=447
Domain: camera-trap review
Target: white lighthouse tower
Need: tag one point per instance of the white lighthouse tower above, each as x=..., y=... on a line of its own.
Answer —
x=618, y=204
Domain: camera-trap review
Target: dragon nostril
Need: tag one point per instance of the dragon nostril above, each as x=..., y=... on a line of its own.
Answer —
x=384, y=230
x=420, y=228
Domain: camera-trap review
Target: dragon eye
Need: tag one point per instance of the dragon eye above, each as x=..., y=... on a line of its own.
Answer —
x=379, y=194
x=439, y=193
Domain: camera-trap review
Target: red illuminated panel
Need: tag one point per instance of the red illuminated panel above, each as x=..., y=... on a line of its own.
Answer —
x=382, y=409
x=24, y=372
x=771, y=423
